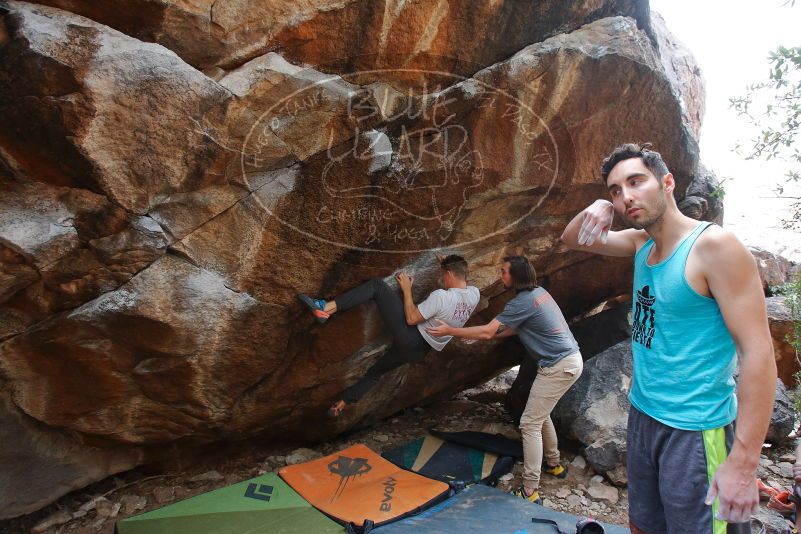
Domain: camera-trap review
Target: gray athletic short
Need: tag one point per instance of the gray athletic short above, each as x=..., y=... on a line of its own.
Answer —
x=669, y=472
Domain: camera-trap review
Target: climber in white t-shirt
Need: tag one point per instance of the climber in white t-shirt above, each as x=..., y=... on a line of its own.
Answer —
x=406, y=321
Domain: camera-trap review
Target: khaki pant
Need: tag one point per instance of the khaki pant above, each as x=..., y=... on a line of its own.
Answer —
x=536, y=425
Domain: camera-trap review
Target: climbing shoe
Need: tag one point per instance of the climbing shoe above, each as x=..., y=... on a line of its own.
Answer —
x=765, y=491
x=558, y=471
x=336, y=409
x=533, y=497
x=316, y=306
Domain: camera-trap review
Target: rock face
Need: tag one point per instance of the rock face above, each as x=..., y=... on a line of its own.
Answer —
x=170, y=181
x=774, y=270
x=703, y=198
x=781, y=328
x=771, y=520
x=46, y=457
x=782, y=422
x=594, y=334
x=594, y=411
x=347, y=35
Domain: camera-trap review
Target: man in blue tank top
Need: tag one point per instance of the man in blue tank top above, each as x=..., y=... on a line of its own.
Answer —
x=697, y=304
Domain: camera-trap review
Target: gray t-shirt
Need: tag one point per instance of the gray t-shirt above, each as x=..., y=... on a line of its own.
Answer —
x=453, y=306
x=540, y=326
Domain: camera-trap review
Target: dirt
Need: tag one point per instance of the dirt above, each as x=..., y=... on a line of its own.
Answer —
x=97, y=508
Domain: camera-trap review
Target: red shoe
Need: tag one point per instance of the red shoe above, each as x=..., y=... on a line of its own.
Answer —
x=765, y=491
x=781, y=503
x=316, y=307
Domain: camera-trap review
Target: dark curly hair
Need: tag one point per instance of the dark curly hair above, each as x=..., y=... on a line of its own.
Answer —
x=651, y=158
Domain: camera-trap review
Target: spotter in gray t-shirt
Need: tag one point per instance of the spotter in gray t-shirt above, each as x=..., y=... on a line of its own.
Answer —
x=540, y=325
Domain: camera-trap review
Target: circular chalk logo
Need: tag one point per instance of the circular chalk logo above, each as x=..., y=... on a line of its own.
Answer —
x=373, y=167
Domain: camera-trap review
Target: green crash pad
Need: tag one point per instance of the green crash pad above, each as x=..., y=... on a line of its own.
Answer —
x=261, y=505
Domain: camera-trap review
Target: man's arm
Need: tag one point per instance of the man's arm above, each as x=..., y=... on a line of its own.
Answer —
x=410, y=309
x=589, y=231
x=733, y=280
x=504, y=331
x=490, y=330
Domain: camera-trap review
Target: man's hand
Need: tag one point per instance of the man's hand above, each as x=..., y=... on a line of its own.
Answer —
x=597, y=222
x=404, y=281
x=442, y=329
x=735, y=486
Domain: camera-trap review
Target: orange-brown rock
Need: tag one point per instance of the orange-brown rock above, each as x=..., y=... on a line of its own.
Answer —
x=774, y=269
x=781, y=330
x=454, y=36
x=156, y=222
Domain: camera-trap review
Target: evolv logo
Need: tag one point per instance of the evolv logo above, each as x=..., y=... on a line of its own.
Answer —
x=389, y=489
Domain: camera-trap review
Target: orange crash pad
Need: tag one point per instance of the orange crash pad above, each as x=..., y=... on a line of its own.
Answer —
x=357, y=486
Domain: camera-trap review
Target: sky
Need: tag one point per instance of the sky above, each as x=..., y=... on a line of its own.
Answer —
x=731, y=41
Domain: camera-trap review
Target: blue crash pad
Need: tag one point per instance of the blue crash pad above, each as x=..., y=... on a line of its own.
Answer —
x=489, y=511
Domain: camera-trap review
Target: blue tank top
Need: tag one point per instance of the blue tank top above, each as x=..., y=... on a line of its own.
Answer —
x=684, y=356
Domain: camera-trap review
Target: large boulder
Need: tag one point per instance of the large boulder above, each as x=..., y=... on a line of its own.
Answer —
x=683, y=72
x=703, y=198
x=46, y=457
x=782, y=422
x=85, y=106
x=769, y=521
x=156, y=221
x=594, y=412
x=781, y=329
x=348, y=35
x=774, y=269
x=602, y=330
x=64, y=246
x=594, y=334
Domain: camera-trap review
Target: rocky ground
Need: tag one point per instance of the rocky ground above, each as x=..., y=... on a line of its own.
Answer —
x=96, y=508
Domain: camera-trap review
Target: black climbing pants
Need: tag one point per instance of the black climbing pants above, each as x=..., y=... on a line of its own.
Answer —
x=408, y=345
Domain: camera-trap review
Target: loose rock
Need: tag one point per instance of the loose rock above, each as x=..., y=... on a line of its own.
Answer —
x=563, y=493
x=299, y=456
x=54, y=520
x=132, y=503
x=604, y=493
x=163, y=494
x=208, y=476
x=786, y=469
x=579, y=463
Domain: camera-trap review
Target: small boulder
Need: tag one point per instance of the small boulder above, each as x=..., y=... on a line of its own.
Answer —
x=132, y=503
x=782, y=421
x=208, y=476
x=302, y=455
x=52, y=521
x=579, y=463
x=603, y=492
x=164, y=494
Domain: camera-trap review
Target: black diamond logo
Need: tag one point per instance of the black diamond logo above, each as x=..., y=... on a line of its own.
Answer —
x=261, y=492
